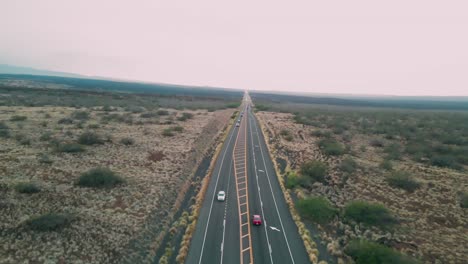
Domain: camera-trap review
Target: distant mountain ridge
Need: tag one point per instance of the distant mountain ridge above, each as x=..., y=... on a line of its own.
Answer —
x=11, y=69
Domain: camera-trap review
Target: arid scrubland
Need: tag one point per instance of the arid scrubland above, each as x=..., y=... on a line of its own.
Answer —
x=95, y=184
x=377, y=180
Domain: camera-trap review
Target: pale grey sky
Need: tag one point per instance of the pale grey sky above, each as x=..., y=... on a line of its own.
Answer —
x=399, y=47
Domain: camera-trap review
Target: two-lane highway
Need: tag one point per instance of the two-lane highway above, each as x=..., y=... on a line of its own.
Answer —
x=224, y=231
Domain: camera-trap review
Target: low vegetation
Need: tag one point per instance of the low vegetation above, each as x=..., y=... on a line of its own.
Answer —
x=127, y=141
x=314, y=170
x=4, y=130
x=464, y=200
x=90, y=138
x=402, y=180
x=49, y=222
x=366, y=252
x=69, y=147
x=331, y=147
x=16, y=118
x=99, y=178
x=27, y=187
x=369, y=213
x=317, y=209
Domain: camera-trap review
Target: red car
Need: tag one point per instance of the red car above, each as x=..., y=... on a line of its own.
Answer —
x=256, y=220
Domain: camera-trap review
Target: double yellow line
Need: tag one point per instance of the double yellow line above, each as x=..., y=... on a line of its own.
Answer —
x=240, y=157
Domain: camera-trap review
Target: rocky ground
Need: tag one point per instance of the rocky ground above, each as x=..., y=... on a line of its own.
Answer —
x=105, y=222
x=433, y=227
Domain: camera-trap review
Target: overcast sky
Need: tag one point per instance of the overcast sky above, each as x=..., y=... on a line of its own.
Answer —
x=398, y=47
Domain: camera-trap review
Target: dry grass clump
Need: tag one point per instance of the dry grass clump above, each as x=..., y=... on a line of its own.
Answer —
x=90, y=138
x=17, y=118
x=127, y=141
x=403, y=180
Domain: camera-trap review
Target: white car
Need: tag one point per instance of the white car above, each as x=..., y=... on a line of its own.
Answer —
x=221, y=196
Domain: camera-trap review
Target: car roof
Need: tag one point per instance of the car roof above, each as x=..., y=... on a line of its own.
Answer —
x=256, y=216
x=221, y=191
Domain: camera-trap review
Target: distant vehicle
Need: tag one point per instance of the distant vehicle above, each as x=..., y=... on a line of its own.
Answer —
x=221, y=196
x=238, y=124
x=256, y=220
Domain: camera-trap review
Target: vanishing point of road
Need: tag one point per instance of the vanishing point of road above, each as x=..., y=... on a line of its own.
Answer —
x=224, y=231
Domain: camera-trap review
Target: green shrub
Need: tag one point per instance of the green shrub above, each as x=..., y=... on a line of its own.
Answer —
x=464, y=200
x=46, y=136
x=260, y=107
x=99, y=178
x=314, y=170
x=365, y=252
x=162, y=112
x=292, y=180
x=45, y=159
x=27, y=187
x=90, y=138
x=69, y=147
x=317, y=209
x=148, y=115
x=386, y=165
x=185, y=116
x=49, y=222
x=65, y=121
x=447, y=161
x=93, y=126
x=393, y=151
x=348, y=165
x=4, y=130
x=376, y=143
x=178, y=129
x=127, y=141
x=167, y=132
x=402, y=180
x=233, y=105
x=135, y=109
x=16, y=118
x=331, y=147
x=80, y=115
x=369, y=214
x=285, y=132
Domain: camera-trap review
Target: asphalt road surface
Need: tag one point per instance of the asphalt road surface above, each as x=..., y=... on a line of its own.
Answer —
x=224, y=231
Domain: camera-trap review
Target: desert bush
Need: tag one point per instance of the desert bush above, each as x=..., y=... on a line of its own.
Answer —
x=93, y=126
x=16, y=118
x=321, y=133
x=376, y=143
x=233, y=105
x=331, y=147
x=69, y=147
x=386, y=165
x=365, y=252
x=464, y=200
x=292, y=180
x=162, y=112
x=4, y=130
x=107, y=108
x=90, y=138
x=49, y=222
x=155, y=156
x=402, y=180
x=167, y=132
x=44, y=159
x=27, y=187
x=314, y=170
x=185, y=116
x=348, y=165
x=127, y=141
x=178, y=129
x=135, y=109
x=65, y=121
x=317, y=209
x=393, y=151
x=148, y=115
x=447, y=161
x=80, y=115
x=369, y=213
x=99, y=178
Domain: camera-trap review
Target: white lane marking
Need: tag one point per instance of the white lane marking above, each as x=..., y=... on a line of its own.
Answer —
x=225, y=208
x=272, y=194
x=259, y=194
x=214, y=194
x=274, y=228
